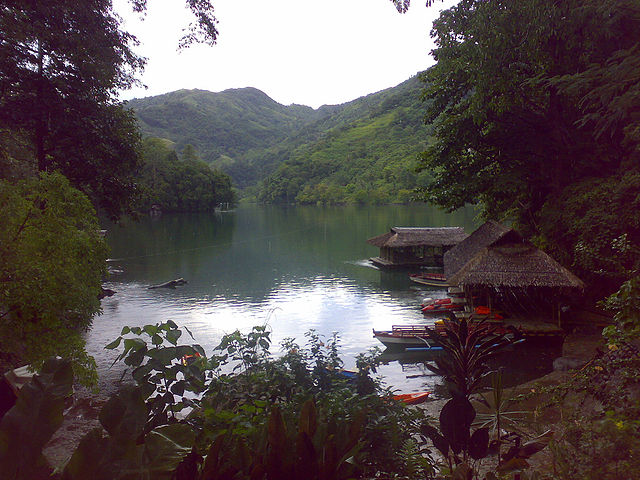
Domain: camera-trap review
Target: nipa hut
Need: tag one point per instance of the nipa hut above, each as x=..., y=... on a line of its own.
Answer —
x=497, y=268
x=414, y=246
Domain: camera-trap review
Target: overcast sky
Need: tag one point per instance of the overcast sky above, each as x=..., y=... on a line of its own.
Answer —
x=311, y=52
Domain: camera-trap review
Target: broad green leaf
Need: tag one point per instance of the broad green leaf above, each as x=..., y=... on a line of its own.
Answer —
x=114, y=344
x=173, y=336
x=37, y=414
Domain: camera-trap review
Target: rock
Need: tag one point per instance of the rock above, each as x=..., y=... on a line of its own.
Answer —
x=106, y=292
x=562, y=364
x=171, y=284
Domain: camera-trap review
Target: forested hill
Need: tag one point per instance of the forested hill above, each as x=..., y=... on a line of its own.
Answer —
x=225, y=123
x=363, y=150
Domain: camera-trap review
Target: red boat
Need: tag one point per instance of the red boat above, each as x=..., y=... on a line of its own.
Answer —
x=412, y=398
x=444, y=306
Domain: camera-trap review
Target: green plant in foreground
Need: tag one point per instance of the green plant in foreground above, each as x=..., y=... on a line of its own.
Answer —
x=289, y=417
x=467, y=345
x=161, y=368
x=28, y=426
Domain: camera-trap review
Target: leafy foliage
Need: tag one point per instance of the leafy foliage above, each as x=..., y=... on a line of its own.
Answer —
x=600, y=430
x=128, y=451
x=534, y=104
x=467, y=347
x=51, y=267
x=28, y=426
x=625, y=304
x=62, y=64
x=297, y=415
x=175, y=185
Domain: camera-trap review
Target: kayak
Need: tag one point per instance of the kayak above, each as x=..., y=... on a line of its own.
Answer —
x=412, y=398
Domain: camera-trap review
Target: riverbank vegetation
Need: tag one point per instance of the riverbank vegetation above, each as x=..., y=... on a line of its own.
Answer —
x=172, y=183
x=256, y=416
x=534, y=107
x=69, y=148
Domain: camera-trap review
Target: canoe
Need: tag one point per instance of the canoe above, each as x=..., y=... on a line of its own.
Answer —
x=412, y=398
x=405, y=336
x=429, y=279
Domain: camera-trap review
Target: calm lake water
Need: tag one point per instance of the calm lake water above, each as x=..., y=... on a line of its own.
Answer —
x=292, y=268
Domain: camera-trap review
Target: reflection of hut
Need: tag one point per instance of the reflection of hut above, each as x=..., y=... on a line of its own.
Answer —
x=409, y=246
x=497, y=268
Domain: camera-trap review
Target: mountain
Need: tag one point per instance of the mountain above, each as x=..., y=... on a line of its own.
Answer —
x=226, y=123
x=366, y=148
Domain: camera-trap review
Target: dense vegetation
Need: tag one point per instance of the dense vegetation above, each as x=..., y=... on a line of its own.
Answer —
x=186, y=184
x=535, y=109
x=52, y=261
x=68, y=147
x=259, y=417
x=363, y=151
x=535, y=105
x=365, y=154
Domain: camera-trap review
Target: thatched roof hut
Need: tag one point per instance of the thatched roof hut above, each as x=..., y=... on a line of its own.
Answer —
x=411, y=246
x=496, y=267
x=514, y=265
x=497, y=256
x=418, y=236
x=487, y=234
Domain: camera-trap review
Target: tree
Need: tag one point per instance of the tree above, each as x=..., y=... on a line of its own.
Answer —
x=530, y=100
x=188, y=185
x=62, y=64
x=52, y=260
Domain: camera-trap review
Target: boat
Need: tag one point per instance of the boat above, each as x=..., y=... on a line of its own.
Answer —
x=443, y=305
x=412, y=398
x=405, y=336
x=417, y=337
x=429, y=279
x=187, y=360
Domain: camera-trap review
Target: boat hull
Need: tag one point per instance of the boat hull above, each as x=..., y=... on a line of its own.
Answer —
x=401, y=337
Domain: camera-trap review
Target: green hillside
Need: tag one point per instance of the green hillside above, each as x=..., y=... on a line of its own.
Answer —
x=366, y=153
x=360, y=151
x=225, y=123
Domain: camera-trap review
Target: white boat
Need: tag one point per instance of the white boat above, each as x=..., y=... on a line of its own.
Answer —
x=405, y=336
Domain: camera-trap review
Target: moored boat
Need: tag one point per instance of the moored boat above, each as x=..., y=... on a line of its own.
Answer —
x=412, y=398
x=429, y=279
x=405, y=336
x=442, y=305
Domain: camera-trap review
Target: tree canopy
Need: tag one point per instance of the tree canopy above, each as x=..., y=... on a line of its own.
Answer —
x=180, y=185
x=52, y=260
x=534, y=103
x=62, y=64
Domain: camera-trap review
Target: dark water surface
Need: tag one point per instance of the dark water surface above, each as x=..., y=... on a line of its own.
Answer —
x=292, y=268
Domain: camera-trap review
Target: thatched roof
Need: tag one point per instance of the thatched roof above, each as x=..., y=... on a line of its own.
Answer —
x=415, y=237
x=487, y=234
x=514, y=264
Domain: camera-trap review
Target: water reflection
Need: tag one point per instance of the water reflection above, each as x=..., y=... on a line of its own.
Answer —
x=294, y=268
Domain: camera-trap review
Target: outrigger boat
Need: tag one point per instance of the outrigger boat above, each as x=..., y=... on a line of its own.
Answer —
x=405, y=336
x=417, y=336
x=429, y=279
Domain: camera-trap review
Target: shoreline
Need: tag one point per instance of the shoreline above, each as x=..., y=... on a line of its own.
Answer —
x=82, y=416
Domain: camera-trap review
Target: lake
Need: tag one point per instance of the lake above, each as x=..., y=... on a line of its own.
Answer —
x=293, y=268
